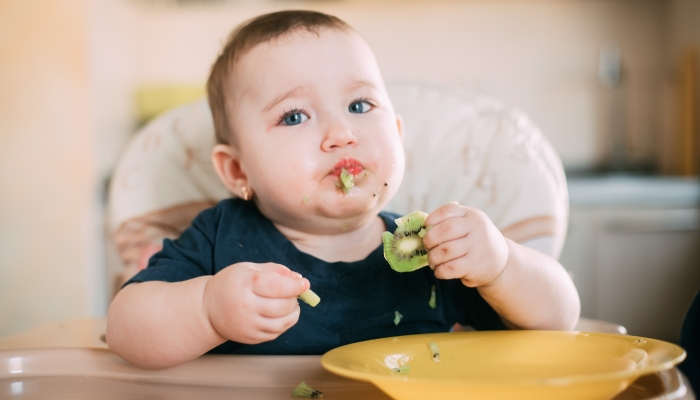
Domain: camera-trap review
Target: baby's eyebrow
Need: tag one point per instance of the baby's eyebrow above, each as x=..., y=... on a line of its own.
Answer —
x=358, y=84
x=281, y=98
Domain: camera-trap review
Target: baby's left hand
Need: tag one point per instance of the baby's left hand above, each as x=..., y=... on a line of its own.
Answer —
x=463, y=243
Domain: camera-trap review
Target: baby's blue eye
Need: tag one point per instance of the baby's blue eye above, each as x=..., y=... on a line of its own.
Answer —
x=294, y=118
x=359, y=107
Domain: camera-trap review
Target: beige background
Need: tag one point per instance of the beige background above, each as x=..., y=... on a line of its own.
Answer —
x=49, y=258
x=69, y=69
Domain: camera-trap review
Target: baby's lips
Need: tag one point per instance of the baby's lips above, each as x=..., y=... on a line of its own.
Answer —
x=349, y=164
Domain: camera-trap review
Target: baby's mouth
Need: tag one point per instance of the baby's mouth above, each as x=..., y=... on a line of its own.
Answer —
x=351, y=165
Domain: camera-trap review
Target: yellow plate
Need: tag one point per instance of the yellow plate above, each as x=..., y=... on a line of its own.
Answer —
x=504, y=364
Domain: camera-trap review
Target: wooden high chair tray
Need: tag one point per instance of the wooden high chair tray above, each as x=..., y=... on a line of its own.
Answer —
x=69, y=360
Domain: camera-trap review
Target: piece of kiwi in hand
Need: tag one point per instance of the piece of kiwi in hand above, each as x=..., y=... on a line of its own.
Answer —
x=310, y=298
x=404, y=249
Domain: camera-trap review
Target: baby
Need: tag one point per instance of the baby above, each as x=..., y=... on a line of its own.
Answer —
x=297, y=97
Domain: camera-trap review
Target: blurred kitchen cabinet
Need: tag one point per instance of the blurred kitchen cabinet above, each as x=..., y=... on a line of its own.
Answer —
x=638, y=266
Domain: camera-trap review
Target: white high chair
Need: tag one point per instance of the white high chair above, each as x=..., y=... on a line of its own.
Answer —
x=458, y=147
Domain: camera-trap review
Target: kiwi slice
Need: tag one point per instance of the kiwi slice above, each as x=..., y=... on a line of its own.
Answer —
x=404, y=249
x=347, y=180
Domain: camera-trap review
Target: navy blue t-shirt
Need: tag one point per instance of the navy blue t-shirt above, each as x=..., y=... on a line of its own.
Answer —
x=359, y=300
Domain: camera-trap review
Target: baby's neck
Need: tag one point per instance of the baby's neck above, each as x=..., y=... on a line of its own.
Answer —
x=350, y=246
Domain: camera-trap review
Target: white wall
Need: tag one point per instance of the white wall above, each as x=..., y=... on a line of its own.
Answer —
x=683, y=25
x=682, y=30
x=49, y=259
x=114, y=37
x=538, y=55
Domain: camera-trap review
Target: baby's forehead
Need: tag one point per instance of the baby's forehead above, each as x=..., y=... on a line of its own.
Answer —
x=303, y=55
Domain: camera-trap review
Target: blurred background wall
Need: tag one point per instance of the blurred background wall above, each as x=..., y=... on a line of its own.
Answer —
x=71, y=70
x=50, y=252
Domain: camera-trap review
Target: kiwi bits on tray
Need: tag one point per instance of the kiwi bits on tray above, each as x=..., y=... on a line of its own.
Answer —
x=404, y=249
x=304, y=390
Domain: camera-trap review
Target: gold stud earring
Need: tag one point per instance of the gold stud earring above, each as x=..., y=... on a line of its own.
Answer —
x=245, y=193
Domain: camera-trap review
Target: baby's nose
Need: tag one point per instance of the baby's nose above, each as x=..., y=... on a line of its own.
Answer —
x=338, y=136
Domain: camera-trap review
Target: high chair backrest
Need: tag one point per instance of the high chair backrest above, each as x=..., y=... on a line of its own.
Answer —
x=458, y=148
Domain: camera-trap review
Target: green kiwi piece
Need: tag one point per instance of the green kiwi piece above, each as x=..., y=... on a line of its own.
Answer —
x=310, y=298
x=404, y=248
x=304, y=390
x=347, y=180
x=397, y=317
x=434, y=351
x=432, y=303
x=403, y=369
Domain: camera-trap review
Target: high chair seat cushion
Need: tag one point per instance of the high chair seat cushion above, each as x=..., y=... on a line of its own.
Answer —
x=480, y=153
x=458, y=148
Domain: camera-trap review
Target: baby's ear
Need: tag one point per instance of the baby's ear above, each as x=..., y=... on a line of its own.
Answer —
x=227, y=164
x=399, y=125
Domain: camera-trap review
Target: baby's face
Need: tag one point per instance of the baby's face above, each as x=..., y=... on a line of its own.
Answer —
x=305, y=107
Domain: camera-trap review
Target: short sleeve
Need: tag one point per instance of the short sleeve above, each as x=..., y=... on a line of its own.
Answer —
x=190, y=256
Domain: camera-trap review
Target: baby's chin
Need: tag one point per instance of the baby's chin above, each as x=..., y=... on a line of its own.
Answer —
x=367, y=197
x=328, y=205
x=357, y=202
x=342, y=213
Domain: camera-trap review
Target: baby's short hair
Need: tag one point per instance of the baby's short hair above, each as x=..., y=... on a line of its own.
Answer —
x=248, y=35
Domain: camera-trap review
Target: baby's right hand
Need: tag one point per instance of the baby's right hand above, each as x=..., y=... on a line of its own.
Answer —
x=253, y=303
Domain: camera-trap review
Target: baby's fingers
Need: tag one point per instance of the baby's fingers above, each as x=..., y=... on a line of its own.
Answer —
x=448, y=251
x=278, y=325
x=280, y=269
x=445, y=231
x=273, y=285
x=454, y=269
x=276, y=308
x=443, y=213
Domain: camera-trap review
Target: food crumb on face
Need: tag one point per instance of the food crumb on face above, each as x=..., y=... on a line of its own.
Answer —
x=347, y=180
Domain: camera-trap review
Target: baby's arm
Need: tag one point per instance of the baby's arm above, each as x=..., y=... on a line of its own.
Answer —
x=526, y=288
x=160, y=324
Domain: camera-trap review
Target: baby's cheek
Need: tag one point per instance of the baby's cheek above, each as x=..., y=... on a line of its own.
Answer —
x=291, y=184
